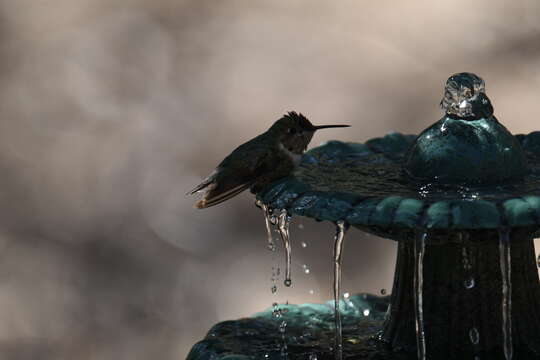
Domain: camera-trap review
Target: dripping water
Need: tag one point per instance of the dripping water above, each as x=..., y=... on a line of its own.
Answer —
x=419, y=250
x=506, y=272
x=284, y=221
x=341, y=229
x=469, y=281
x=268, y=222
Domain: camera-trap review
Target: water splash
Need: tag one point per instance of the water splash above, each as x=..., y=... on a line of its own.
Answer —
x=284, y=220
x=341, y=229
x=506, y=273
x=419, y=250
x=282, y=329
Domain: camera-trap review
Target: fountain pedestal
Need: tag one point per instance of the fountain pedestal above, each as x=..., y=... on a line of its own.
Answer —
x=463, y=296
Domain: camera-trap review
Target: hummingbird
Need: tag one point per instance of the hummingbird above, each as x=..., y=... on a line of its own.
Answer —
x=268, y=157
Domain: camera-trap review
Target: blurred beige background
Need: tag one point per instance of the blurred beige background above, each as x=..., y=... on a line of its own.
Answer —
x=112, y=110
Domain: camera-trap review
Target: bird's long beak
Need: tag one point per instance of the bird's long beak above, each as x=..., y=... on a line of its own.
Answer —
x=329, y=126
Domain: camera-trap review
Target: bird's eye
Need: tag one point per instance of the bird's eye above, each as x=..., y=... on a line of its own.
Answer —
x=292, y=131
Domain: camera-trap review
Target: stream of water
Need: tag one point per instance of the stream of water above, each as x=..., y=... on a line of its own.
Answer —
x=506, y=273
x=419, y=250
x=341, y=229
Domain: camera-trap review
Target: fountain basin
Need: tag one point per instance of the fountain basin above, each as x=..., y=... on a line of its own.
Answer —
x=365, y=185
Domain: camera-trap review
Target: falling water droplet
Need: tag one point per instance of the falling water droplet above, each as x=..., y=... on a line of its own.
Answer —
x=283, y=227
x=283, y=326
x=273, y=289
x=506, y=272
x=419, y=251
x=313, y=357
x=383, y=291
x=301, y=226
x=341, y=229
x=306, y=269
x=304, y=244
x=366, y=312
x=346, y=295
x=474, y=336
x=469, y=283
x=311, y=292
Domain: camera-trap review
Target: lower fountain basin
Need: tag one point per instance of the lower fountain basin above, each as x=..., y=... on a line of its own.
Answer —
x=308, y=334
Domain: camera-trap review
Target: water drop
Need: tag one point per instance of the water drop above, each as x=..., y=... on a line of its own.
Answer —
x=506, y=273
x=306, y=269
x=311, y=292
x=301, y=226
x=304, y=244
x=474, y=336
x=341, y=229
x=366, y=312
x=346, y=295
x=419, y=251
x=383, y=291
x=287, y=282
x=469, y=283
x=313, y=357
x=538, y=261
x=274, y=289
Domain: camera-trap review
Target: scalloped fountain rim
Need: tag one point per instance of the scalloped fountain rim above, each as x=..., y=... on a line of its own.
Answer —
x=403, y=203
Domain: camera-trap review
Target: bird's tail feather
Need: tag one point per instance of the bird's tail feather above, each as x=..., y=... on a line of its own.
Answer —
x=209, y=180
x=211, y=198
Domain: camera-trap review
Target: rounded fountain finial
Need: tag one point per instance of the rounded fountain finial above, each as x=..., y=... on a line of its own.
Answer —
x=465, y=97
x=468, y=145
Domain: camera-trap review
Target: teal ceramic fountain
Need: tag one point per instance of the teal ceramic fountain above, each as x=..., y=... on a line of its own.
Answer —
x=463, y=201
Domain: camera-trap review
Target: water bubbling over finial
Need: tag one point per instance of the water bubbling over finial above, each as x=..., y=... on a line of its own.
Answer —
x=468, y=145
x=465, y=97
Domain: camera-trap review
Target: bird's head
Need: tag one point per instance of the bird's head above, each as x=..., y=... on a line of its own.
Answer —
x=465, y=97
x=295, y=131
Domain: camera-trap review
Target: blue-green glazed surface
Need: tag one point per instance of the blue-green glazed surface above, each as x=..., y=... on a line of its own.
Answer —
x=370, y=184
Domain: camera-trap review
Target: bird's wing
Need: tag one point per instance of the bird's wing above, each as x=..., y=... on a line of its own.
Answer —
x=236, y=173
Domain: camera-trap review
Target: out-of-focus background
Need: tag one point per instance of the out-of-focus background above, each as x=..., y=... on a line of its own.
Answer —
x=111, y=111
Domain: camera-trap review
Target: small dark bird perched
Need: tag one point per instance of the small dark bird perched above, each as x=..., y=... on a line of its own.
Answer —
x=266, y=158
